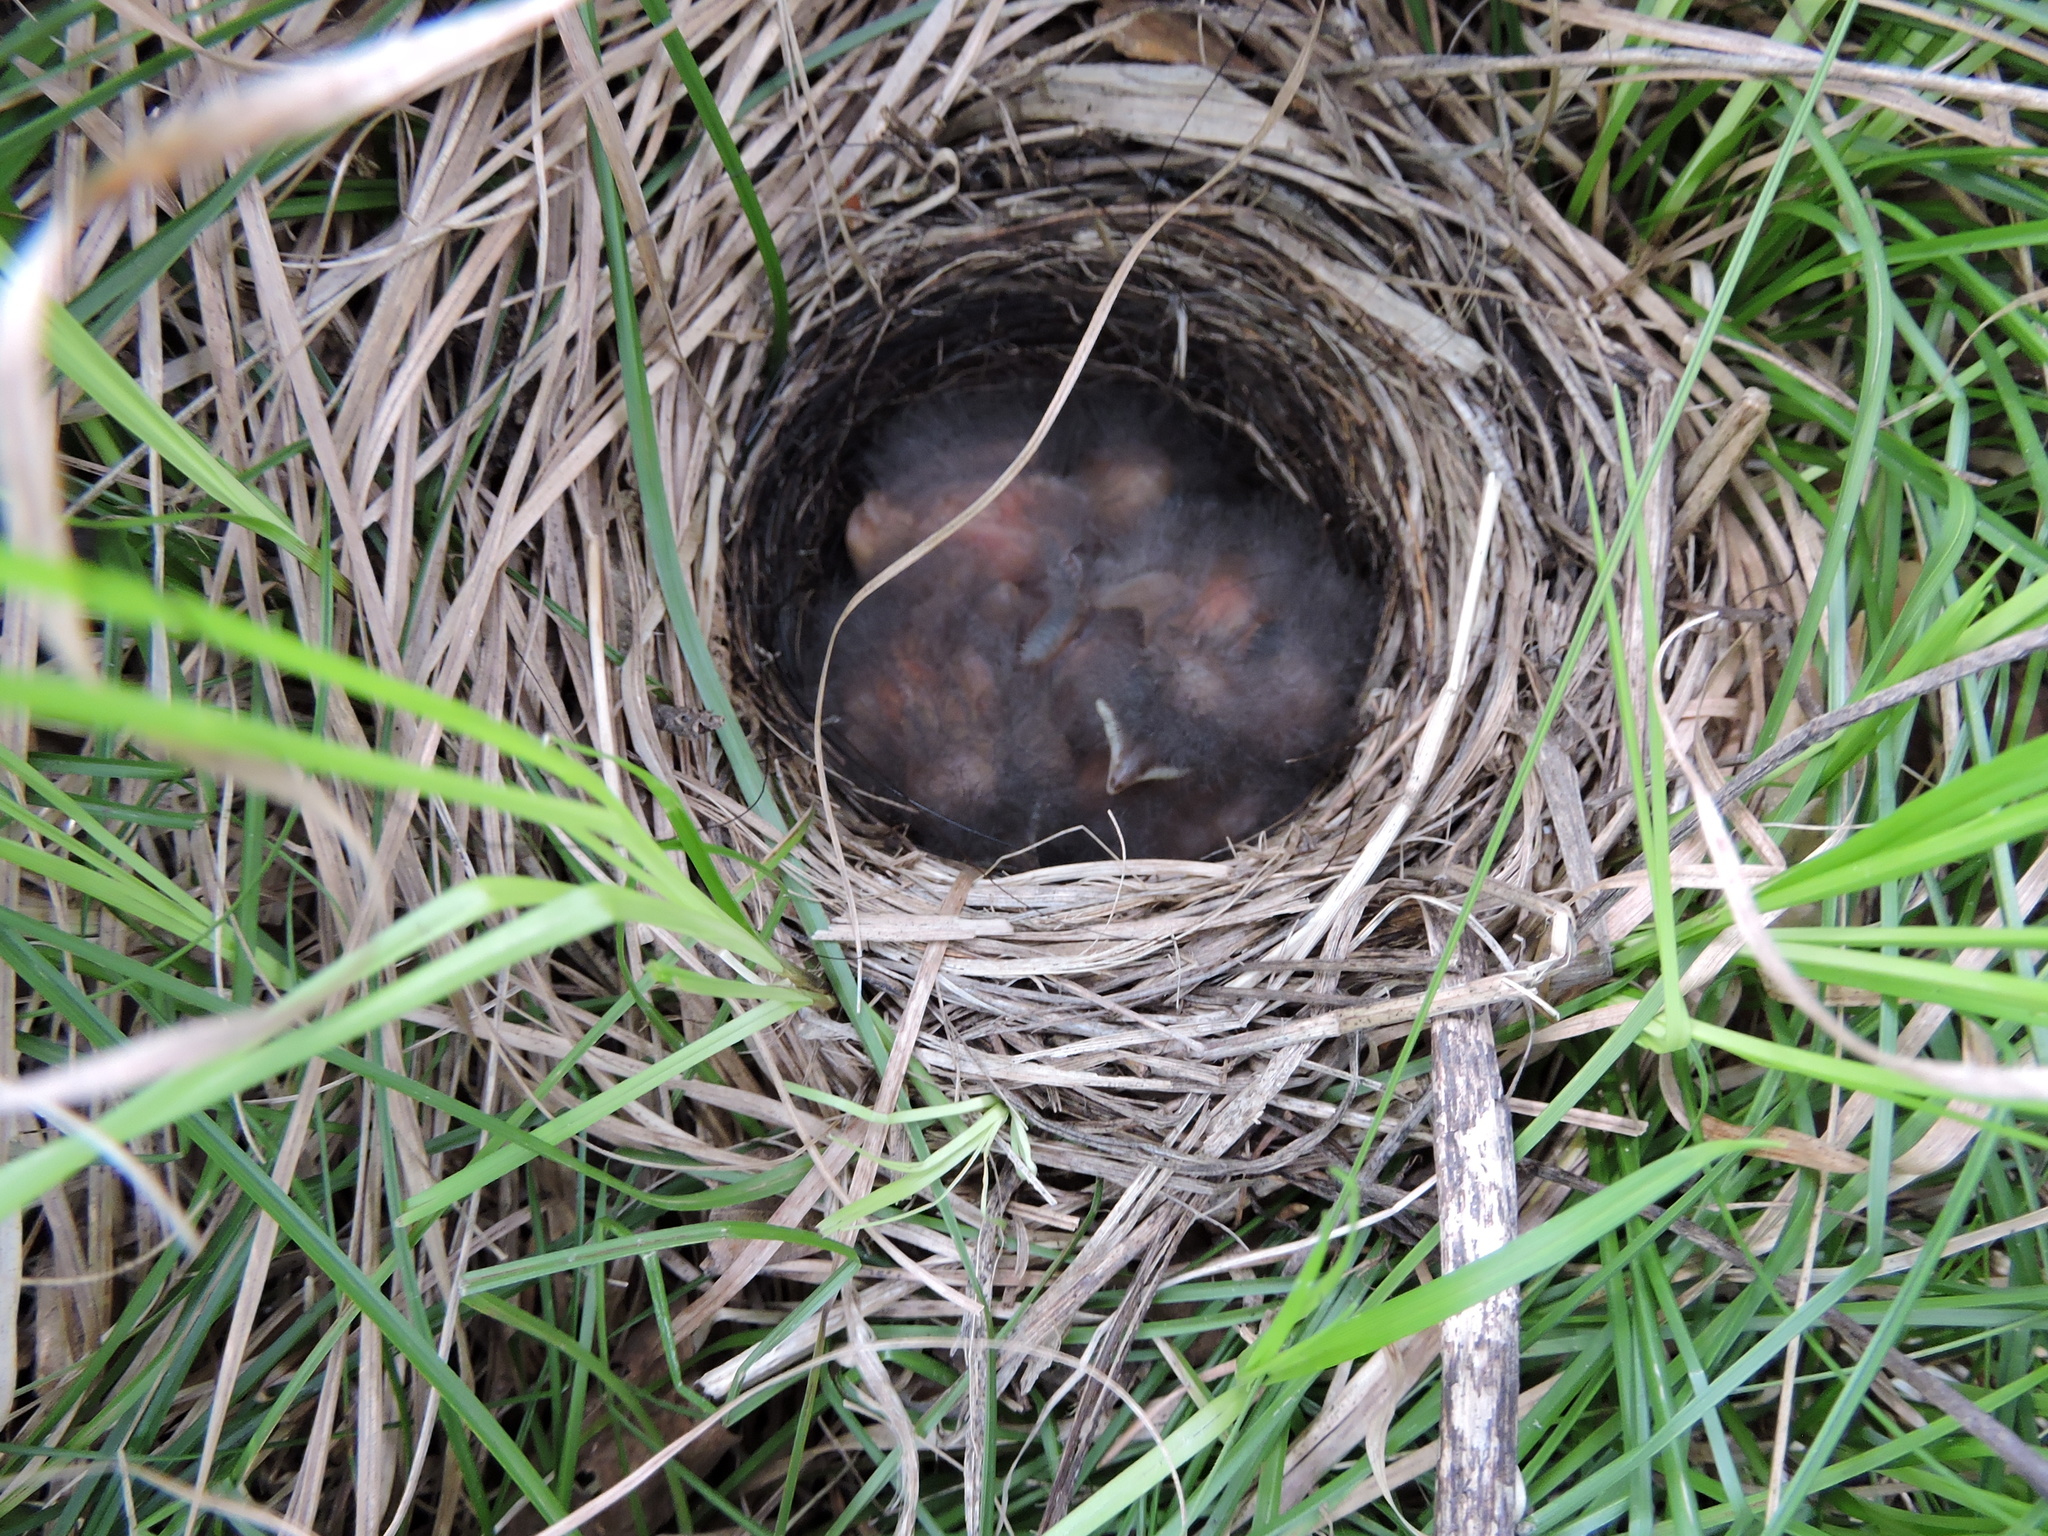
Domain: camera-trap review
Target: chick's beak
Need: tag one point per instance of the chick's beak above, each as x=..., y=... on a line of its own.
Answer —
x=1130, y=762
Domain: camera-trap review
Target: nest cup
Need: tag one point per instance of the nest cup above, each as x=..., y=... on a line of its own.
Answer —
x=991, y=329
x=1380, y=358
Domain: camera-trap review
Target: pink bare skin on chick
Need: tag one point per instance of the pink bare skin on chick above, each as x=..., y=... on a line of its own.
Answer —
x=1006, y=540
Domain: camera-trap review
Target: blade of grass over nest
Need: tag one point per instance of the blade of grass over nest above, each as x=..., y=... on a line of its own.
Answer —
x=612, y=831
x=664, y=554
x=496, y=1162
x=550, y=914
x=712, y=123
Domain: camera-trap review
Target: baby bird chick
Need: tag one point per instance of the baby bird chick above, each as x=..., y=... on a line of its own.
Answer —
x=1119, y=654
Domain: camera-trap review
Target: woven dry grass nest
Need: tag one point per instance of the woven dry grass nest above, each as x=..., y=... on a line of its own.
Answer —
x=1388, y=321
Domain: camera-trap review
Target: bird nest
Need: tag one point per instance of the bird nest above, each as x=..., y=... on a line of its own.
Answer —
x=1390, y=319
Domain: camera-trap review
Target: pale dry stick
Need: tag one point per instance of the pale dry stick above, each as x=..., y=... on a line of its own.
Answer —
x=600, y=666
x=1479, y=1491
x=1082, y=352
x=978, y=1441
x=1298, y=944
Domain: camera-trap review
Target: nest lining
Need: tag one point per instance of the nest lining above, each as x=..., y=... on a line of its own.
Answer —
x=1381, y=359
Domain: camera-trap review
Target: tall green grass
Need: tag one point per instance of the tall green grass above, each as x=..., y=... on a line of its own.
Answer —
x=331, y=1130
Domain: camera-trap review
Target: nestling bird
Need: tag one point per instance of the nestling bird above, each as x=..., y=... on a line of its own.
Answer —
x=1130, y=652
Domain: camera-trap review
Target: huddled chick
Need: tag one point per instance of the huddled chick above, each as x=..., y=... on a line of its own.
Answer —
x=1129, y=653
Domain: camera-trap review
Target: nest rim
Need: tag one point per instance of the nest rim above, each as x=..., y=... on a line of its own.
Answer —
x=870, y=875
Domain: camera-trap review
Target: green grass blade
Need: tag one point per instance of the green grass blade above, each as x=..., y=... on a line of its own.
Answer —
x=85, y=362
x=1547, y=1246
x=714, y=126
x=491, y=1165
